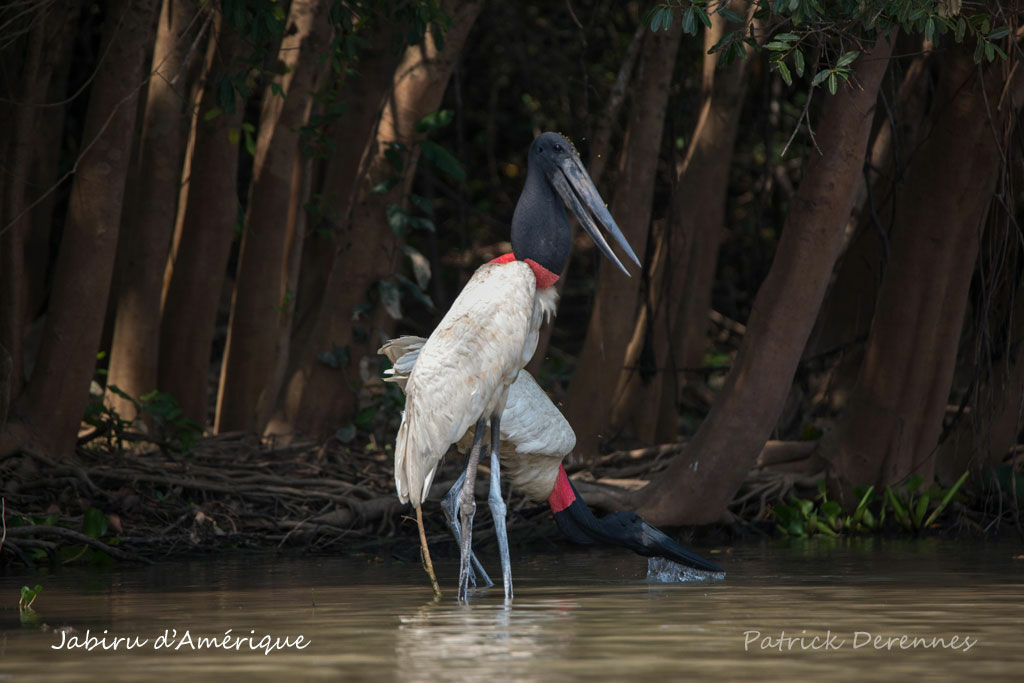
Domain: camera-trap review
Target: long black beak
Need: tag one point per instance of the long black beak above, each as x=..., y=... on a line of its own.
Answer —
x=628, y=530
x=573, y=183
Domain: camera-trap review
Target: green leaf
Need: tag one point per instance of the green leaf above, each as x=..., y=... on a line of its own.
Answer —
x=788, y=37
x=442, y=159
x=391, y=297
x=435, y=121
x=364, y=418
x=662, y=19
x=730, y=15
x=420, y=266
x=945, y=499
x=384, y=186
x=898, y=509
x=1000, y=32
x=920, y=509
x=94, y=523
x=913, y=483
x=832, y=83
x=847, y=58
x=422, y=203
x=819, y=77
x=689, y=22
x=414, y=290
x=784, y=72
x=798, y=61
x=862, y=505
x=804, y=505
x=775, y=45
x=398, y=220
x=831, y=508
x=961, y=29
x=703, y=16
x=929, y=29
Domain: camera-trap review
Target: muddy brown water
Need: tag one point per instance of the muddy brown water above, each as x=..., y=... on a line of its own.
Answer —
x=847, y=611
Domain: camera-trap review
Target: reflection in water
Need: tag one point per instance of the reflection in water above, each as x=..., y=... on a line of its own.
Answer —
x=459, y=642
x=589, y=615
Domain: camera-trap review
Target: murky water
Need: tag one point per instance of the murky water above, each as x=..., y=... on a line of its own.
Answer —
x=580, y=615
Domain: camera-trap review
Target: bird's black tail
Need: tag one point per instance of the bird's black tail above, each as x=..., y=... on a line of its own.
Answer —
x=624, y=528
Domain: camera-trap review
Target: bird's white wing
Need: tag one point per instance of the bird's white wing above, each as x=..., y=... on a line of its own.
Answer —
x=541, y=434
x=536, y=437
x=402, y=352
x=463, y=370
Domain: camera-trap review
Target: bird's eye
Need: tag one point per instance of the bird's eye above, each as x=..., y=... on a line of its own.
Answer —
x=558, y=148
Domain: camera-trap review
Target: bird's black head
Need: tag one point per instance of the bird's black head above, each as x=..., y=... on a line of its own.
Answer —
x=540, y=228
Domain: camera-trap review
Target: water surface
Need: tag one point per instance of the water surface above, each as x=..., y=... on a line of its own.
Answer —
x=577, y=615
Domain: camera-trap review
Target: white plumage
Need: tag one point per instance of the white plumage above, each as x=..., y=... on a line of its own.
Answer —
x=535, y=436
x=463, y=372
x=464, y=369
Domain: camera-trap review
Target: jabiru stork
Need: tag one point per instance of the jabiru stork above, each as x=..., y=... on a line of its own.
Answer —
x=535, y=439
x=463, y=371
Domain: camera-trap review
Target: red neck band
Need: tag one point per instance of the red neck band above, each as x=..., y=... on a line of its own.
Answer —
x=545, y=278
x=562, y=496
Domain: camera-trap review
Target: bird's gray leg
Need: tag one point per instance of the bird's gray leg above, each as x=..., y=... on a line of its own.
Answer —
x=498, y=508
x=450, y=505
x=467, y=508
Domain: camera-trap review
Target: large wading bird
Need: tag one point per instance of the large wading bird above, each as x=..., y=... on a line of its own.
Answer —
x=460, y=377
x=535, y=439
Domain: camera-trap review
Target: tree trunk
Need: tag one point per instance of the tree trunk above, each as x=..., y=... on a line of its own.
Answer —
x=318, y=397
x=984, y=437
x=15, y=219
x=365, y=92
x=674, y=335
x=846, y=313
x=202, y=245
x=56, y=395
x=591, y=390
x=151, y=205
x=891, y=427
x=701, y=480
x=48, y=143
x=261, y=310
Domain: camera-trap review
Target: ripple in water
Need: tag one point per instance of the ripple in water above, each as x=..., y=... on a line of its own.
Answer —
x=660, y=570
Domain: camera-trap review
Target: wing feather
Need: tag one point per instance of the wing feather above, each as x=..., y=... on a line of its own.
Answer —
x=536, y=436
x=463, y=371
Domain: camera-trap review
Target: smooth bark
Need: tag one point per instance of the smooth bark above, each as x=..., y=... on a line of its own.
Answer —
x=318, y=397
x=364, y=93
x=891, y=426
x=261, y=309
x=55, y=397
x=202, y=243
x=702, y=479
x=591, y=391
x=149, y=214
x=671, y=330
x=845, y=317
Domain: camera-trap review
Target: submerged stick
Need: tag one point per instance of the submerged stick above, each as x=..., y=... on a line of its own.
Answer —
x=428, y=566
